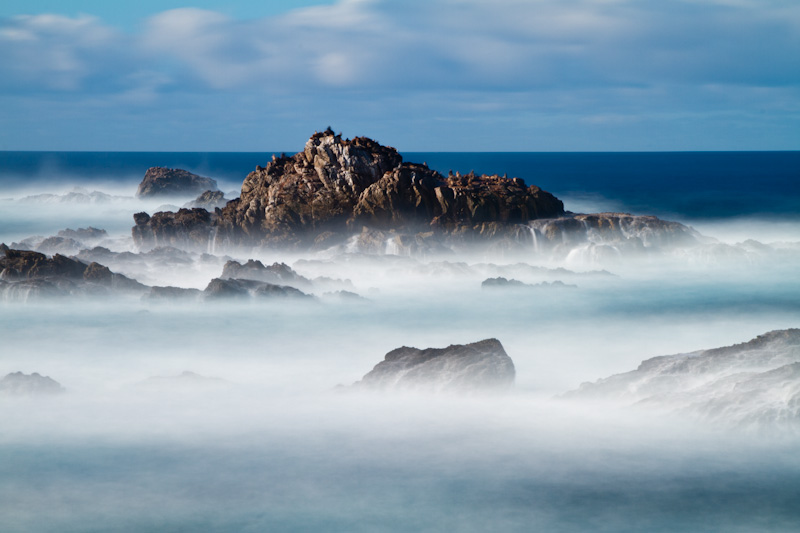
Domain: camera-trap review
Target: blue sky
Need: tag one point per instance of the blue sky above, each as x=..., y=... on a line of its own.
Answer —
x=421, y=75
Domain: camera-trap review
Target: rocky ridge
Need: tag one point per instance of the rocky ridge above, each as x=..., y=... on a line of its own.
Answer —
x=755, y=383
x=335, y=187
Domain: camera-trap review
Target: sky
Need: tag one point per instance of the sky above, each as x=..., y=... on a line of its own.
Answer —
x=420, y=75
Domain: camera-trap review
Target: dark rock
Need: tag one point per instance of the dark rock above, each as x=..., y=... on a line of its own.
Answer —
x=209, y=200
x=160, y=181
x=62, y=245
x=188, y=228
x=617, y=231
x=344, y=296
x=268, y=290
x=19, y=384
x=24, y=264
x=33, y=275
x=277, y=273
x=503, y=283
x=89, y=234
x=480, y=366
x=246, y=288
x=171, y=293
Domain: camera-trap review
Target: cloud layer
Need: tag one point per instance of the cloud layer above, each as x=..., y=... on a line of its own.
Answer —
x=599, y=61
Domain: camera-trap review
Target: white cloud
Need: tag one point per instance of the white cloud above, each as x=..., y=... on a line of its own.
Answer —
x=383, y=59
x=54, y=51
x=387, y=45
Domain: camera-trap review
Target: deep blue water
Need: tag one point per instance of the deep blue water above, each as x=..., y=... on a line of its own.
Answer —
x=685, y=184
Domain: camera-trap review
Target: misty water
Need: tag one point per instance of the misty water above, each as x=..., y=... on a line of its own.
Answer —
x=265, y=440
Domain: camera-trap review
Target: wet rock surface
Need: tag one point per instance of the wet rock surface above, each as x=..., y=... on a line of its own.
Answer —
x=26, y=274
x=755, y=383
x=334, y=187
x=220, y=289
x=481, y=366
x=163, y=182
x=277, y=273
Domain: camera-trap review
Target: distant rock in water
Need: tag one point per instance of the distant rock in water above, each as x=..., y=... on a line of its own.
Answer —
x=160, y=181
x=186, y=381
x=277, y=273
x=167, y=294
x=503, y=283
x=19, y=384
x=755, y=384
x=209, y=200
x=77, y=196
x=247, y=288
x=480, y=366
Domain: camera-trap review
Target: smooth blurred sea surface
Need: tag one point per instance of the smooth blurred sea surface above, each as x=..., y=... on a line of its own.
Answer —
x=689, y=185
x=279, y=449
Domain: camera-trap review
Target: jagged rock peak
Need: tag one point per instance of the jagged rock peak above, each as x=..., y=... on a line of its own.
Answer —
x=335, y=187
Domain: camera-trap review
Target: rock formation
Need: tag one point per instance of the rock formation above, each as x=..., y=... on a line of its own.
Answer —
x=25, y=274
x=248, y=288
x=480, y=366
x=504, y=283
x=277, y=273
x=160, y=181
x=209, y=200
x=19, y=384
x=756, y=383
x=336, y=186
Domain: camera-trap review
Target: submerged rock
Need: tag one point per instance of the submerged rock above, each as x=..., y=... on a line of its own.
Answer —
x=19, y=384
x=756, y=383
x=503, y=283
x=476, y=367
x=171, y=293
x=186, y=381
x=160, y=181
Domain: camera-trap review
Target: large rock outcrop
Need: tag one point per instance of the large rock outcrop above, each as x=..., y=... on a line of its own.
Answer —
x=164, y=182
x=481, y=366
x=335, y=187
x=755, y=383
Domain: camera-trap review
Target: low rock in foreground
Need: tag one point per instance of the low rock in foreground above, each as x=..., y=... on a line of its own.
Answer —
x=19, y=384
x=481, y=366
x=753, y=384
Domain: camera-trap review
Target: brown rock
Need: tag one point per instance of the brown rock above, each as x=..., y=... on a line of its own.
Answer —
x=160, y=181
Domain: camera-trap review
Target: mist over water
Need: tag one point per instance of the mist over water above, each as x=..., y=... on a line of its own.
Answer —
x=259, y=437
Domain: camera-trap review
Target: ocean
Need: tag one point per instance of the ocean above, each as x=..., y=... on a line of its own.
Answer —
x=264, y=438
x=692, y=185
